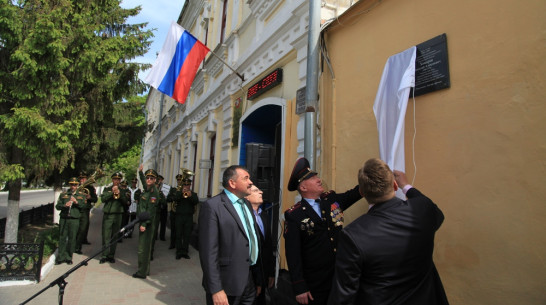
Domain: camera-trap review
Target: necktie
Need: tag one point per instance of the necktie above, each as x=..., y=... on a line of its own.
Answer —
x=259, y=222
x=252, y=237
x=316, y=207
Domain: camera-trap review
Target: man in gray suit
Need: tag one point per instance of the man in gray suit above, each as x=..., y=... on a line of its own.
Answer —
x=228, y=242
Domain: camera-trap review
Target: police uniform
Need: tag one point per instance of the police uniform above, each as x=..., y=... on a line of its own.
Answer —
x=310, y=239
x=148, y=202
x=183, y=212
x=69, y=222
x=111, y=220
x=85, y=211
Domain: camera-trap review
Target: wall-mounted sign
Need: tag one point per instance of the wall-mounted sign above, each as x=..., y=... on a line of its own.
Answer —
x=273, y=79
x=300, y=101
x=205, y=164
x=432, y=66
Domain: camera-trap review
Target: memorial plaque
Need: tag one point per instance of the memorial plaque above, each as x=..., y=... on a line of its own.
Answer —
x=432, y=66
x=300, y=101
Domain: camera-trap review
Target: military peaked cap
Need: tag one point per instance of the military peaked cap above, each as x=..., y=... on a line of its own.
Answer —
x=151, y=172
x=73, y=180
x=83, y=174
x=117, y=176
x=300, y=172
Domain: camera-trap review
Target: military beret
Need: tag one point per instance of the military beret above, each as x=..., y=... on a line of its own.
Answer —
x=151, y=172
x=83, y=174
x=300, y=172
x=117, y=176
x=73, y=180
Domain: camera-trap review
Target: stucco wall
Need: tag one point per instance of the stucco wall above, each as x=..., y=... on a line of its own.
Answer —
x=480, y=146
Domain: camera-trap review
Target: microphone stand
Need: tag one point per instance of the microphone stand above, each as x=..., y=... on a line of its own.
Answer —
x=60, y=281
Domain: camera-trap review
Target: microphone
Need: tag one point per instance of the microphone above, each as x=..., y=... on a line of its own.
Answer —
x=140, y=218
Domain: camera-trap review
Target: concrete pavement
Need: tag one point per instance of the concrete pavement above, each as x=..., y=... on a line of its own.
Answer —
x=171, y=281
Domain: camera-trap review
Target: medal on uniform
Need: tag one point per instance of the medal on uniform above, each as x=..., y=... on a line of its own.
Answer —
x=337, y=214
x=307, y=225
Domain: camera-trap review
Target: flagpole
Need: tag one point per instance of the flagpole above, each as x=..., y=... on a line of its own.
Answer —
x=240, y=76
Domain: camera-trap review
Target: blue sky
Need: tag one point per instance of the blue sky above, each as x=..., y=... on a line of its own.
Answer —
x=158, y=14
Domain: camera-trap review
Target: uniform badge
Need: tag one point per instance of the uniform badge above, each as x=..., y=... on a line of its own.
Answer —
x=337, y=214
x=153, y=200
x=308, y=225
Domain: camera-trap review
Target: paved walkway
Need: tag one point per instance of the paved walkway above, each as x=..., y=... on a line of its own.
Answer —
x=171, y=281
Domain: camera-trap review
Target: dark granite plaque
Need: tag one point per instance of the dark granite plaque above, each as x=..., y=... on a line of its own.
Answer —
x=432, y=66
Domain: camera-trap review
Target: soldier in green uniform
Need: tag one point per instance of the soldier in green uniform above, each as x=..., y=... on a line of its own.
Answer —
x=149, y=202
x=184, y=206
x=125, y=215
x=157, y=217
x=90, y=200
x=69, y=203
x=171, y=210
x=114, y=199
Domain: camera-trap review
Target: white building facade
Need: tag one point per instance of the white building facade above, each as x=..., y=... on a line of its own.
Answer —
x=221, y=123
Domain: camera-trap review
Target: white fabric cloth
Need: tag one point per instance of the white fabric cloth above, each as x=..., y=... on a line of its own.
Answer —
x=133, y=206
x=390, y=106
x=165, y=188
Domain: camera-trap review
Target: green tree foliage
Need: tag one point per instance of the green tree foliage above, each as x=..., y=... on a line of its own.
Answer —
x=127, y=163
x=65, y=65
x=122, y=133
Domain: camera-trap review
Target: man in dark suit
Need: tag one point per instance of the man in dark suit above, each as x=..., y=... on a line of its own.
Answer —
x=269, y=246
x=310, y=231
x=228, y=242
x=385, y=256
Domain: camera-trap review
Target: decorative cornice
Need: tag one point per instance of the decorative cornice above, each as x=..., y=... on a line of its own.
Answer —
x=263, y=8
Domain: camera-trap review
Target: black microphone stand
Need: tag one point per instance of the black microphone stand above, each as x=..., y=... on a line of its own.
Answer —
x=60, y=281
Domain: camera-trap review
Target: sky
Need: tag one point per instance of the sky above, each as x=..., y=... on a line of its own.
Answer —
x=158, y=14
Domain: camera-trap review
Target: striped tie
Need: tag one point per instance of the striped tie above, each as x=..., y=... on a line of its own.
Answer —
x=252, y=237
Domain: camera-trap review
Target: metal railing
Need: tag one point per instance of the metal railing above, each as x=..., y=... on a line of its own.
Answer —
x=20, y=262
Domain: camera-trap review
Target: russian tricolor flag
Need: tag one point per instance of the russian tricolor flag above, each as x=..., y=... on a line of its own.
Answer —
x=177, y=63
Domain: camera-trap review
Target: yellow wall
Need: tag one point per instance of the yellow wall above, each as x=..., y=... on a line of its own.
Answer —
x=290, y=156
x=480, y=147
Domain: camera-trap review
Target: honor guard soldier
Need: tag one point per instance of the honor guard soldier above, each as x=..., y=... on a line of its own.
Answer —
x=310, y=231
x=69, y=203
x=90, y=200
x=162, y=205
x=149, y=202
x=114, y=200
x=183, y=206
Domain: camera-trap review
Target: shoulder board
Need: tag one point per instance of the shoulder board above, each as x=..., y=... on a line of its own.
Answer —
x=294, y=207
x=325, y=194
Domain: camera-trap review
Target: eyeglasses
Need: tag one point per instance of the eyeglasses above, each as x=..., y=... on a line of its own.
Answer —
x=150, y=178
